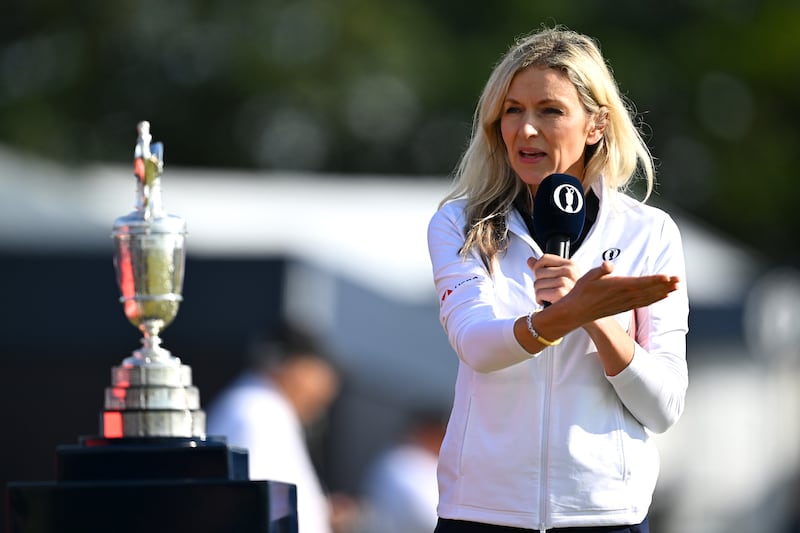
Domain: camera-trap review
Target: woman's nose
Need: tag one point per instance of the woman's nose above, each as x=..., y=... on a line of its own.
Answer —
x=529, y=128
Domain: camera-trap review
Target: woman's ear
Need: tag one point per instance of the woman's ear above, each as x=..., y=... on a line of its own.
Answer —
x=598, y=126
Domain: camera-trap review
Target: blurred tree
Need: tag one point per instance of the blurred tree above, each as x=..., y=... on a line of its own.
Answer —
x=381, y=87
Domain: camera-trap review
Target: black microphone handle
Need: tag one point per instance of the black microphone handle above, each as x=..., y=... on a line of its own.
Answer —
x=557, y=245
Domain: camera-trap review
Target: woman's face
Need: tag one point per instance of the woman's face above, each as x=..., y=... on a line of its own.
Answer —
x=544, y=126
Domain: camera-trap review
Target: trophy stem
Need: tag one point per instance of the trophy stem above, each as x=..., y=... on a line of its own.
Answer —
x=151, y=353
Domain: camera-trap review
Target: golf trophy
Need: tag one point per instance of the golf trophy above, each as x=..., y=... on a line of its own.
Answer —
x=151, y=393
x=152, y=467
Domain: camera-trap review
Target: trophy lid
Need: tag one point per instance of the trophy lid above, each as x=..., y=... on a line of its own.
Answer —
x=136, y=222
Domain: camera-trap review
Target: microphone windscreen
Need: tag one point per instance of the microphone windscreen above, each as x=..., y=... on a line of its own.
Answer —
x=559, y=209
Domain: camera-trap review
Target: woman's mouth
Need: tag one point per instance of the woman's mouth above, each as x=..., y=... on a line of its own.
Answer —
x=531, y=155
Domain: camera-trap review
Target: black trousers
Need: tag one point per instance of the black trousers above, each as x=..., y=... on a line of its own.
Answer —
x=459, y=526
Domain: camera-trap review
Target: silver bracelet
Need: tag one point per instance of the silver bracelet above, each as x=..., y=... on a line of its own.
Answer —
x=536, y=333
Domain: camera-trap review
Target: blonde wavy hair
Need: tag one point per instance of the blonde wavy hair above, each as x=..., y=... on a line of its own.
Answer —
x=484, y=176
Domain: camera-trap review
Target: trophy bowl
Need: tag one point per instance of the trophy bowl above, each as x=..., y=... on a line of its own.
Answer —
x=149, y=259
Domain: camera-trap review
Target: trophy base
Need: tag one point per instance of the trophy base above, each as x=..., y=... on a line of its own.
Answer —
x=151, y=375
x=158, y=485
x=180, y=398
x=98, y=458
x=161, y=506
x=153, y=423
x=152, y=400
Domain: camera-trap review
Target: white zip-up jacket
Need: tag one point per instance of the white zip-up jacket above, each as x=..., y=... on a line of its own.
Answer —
x=548, y=440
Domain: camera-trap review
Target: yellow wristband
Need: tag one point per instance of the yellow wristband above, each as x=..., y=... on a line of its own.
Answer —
x=536, y=333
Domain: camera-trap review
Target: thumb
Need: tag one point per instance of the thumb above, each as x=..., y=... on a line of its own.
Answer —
x=604, y=269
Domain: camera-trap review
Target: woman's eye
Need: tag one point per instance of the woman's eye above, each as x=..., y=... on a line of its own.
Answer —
x=552, y=111
x=513, y=109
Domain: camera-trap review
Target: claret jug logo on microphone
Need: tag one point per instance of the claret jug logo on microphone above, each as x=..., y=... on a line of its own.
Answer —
x=558, y=213
x=568, y=198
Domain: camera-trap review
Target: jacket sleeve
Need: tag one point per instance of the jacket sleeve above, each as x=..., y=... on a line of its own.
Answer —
x=466, y=291
x=653, y=387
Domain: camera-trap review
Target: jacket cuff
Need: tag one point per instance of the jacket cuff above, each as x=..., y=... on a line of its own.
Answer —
x=513, y=344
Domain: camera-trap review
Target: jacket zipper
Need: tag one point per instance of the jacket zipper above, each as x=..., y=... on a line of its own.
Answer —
x=544, y=453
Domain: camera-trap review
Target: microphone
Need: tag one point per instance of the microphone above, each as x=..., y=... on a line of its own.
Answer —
x=559, y=211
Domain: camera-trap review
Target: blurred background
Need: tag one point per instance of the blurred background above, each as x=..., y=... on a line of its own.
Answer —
x=308, y=143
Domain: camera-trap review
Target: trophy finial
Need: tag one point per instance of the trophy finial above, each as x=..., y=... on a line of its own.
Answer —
x=142, y=150
x=148, y=165
x=143, y=129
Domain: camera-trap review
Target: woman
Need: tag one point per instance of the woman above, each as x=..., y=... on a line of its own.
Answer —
x=554, y=404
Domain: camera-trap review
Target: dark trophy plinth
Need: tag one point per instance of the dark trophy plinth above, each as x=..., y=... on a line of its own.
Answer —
x=153, y=485
x=152, y=468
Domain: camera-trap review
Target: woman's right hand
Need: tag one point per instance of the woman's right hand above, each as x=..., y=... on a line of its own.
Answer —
x=554, y=277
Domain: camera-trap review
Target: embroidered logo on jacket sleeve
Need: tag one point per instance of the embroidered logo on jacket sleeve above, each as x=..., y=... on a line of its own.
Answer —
x=448, y=292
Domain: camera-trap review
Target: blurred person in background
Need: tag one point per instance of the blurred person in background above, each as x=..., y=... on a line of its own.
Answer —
x=566, y=364
x=290, y=385
x=400, y=492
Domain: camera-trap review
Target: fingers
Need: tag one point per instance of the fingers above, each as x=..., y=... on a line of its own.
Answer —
x=547, y=260
x=550, y=265
x=597, y=293
x=554, y=277
x=624, y=293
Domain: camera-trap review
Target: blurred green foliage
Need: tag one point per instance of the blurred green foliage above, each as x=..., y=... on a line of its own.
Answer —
x=386, y=87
